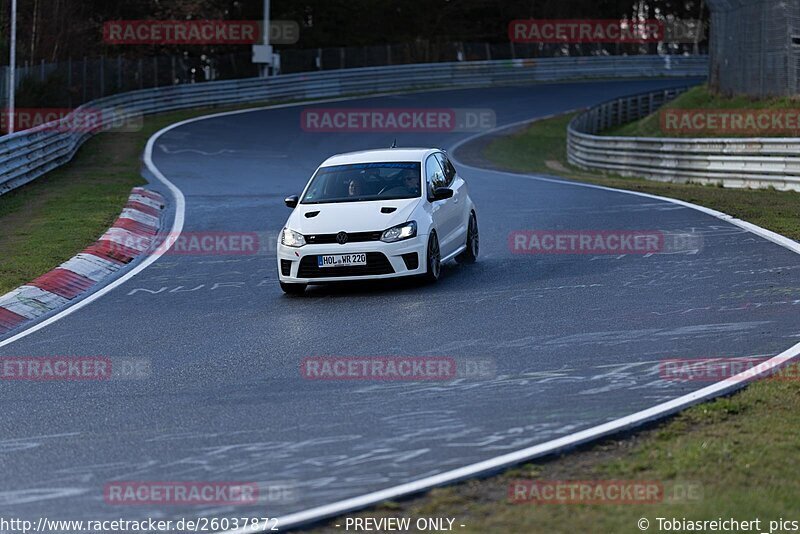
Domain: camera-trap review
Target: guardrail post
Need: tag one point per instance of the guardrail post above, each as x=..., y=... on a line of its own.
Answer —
x=83, y=84
x=119, y=72
x=69, y=79
x=102, y=76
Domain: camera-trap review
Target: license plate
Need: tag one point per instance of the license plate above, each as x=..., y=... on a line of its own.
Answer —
x=342, y=260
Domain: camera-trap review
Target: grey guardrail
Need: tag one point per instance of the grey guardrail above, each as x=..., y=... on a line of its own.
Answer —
x=731, y=162
x=26, y=155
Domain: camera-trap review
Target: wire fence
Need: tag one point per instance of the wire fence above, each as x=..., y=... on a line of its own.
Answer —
x=755, y=47
x=72, y=83
x=424, y=51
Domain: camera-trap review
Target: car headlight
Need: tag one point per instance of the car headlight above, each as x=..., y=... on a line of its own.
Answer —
x=290, y=238
x=406, y=230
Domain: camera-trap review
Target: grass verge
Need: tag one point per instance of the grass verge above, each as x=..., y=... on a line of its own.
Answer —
x=731, y=458
x=542, y=149
x=735, y=456
x=700, y=98
x=47, y=221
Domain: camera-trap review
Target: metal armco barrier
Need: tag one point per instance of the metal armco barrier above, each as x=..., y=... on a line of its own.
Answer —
x=731, y=162
x=26, y=155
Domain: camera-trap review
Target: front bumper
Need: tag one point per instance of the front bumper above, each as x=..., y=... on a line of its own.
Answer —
x=384, y=260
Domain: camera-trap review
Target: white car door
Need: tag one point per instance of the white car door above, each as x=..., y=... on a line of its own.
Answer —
x=445, y=212
x=460, y=195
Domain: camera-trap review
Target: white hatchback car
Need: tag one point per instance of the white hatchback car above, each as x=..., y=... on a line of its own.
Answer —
x=377, y=214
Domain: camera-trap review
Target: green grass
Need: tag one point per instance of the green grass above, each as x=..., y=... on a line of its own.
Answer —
x=541, y=149
x=699, y=98
x=47, y=221
x=740, y=451
x=737, y=454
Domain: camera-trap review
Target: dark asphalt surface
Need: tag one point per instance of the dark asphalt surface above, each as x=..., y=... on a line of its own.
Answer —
x=574, y=340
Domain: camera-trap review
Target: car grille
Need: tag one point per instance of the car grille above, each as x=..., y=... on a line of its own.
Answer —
x=377, y=263
x=355, y=237
x=286, y=267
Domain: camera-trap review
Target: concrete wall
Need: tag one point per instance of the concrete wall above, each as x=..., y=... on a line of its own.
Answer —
x=755, y=47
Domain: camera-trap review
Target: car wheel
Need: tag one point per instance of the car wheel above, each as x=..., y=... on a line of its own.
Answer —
x=293, y=289
x=470, y=254
x=434, y=259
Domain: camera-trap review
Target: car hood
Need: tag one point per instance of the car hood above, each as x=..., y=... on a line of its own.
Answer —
x=350, y=216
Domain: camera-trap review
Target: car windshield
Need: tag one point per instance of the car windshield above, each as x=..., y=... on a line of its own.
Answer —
x=364, y=182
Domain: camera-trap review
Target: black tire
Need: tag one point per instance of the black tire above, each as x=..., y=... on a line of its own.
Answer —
x=433, y=259
x=293, y=289
x=470, y=254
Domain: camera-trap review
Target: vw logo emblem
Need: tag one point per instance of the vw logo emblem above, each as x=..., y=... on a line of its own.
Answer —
x=341, y=238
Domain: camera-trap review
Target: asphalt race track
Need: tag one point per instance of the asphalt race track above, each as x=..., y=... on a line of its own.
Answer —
x=571, y=340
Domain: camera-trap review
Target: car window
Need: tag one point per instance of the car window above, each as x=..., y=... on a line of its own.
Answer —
x=364, y=182
x=434, y=174
x=449, y=170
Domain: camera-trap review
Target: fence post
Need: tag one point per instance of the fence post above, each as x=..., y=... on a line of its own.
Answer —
x=341, y=57
x=69, y=80
x=488, y=52
x=83, y=84
x=119, y=73
x=155, y=71
x=102, y=76
x=141, y=73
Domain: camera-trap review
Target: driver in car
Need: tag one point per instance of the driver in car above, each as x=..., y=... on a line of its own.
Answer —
x=354, y=188
x=411, y=183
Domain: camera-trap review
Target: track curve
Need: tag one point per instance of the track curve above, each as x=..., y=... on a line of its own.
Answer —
x=576, y=340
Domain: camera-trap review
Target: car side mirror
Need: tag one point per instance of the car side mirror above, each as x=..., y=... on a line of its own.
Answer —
x=291, y=201
x=442, y=193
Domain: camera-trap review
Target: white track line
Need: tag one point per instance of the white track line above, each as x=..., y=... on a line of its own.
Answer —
x=177, y=227
x=180, y=202
x=591, y=434
x=498, y=462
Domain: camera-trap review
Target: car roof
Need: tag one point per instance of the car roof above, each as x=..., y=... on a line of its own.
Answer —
x=380, y=155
